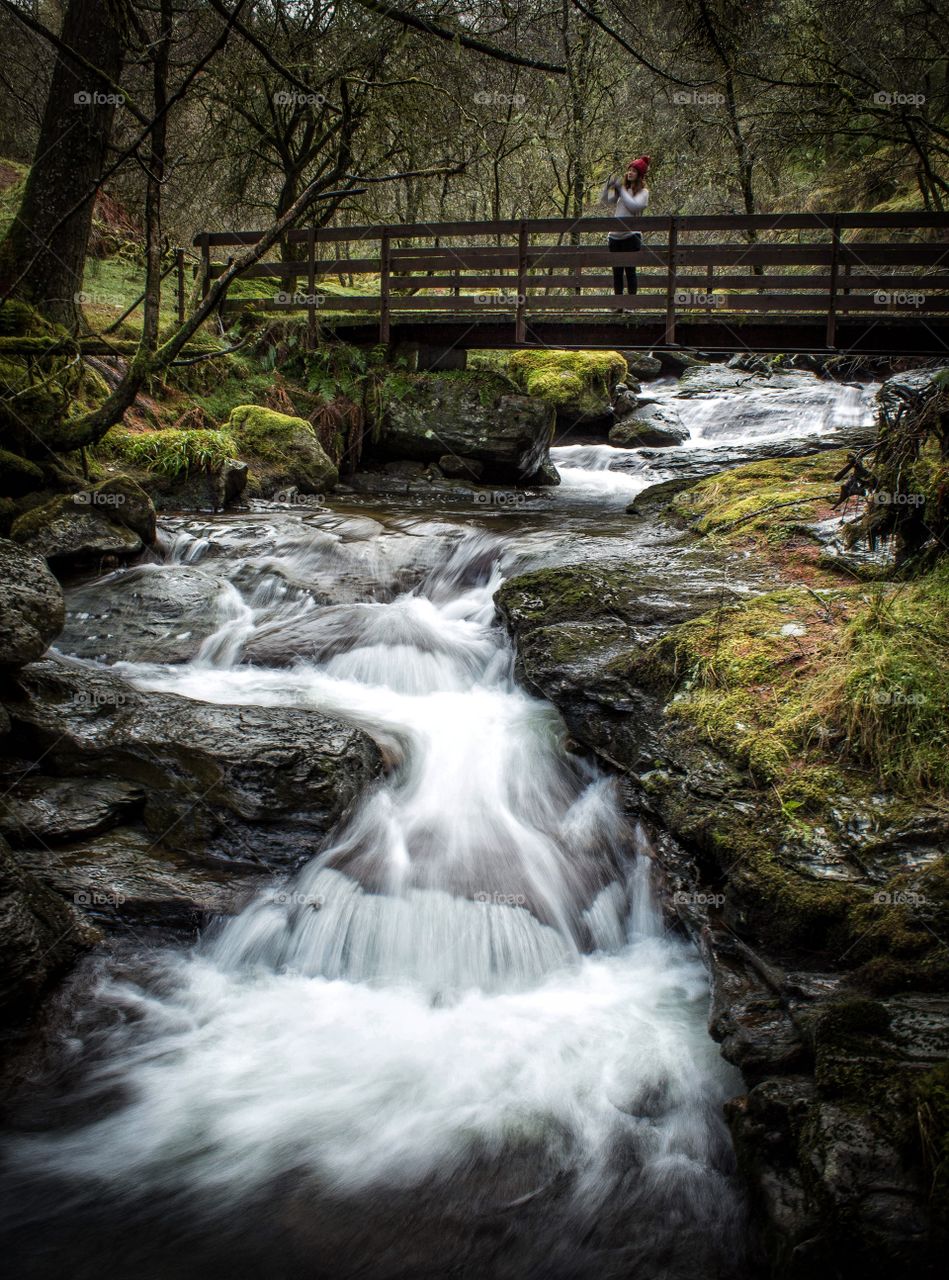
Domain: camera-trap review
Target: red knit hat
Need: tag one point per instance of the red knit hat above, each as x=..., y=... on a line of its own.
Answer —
x=640, y=165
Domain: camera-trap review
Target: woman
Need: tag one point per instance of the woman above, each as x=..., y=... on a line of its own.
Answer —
x=630, y=197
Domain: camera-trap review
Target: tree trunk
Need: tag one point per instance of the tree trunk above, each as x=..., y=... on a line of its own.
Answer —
x=44, y=252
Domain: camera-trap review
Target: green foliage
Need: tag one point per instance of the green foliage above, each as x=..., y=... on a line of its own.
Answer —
x=170, y=452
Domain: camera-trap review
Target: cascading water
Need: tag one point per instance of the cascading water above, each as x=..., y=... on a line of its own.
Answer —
x=460, y=1041
x=471, y=978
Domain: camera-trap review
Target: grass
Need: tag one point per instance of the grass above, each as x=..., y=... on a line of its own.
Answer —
x=169, y=452
x=794, y=689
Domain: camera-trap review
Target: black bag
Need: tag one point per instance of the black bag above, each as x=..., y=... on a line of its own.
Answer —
x=630, y=243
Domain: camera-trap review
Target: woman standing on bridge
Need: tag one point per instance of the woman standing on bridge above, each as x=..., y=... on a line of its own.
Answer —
x=631, y=196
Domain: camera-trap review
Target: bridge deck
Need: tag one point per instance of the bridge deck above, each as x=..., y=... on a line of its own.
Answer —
x=869, y=283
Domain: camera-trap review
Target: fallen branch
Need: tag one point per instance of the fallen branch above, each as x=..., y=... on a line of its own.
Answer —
x=774, y=506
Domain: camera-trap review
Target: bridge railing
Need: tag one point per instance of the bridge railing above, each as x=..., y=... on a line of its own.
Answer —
x=728, y=265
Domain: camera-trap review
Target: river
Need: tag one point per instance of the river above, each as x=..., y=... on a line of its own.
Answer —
x=460, y=1039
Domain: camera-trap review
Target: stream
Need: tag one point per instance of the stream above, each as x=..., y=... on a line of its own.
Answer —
x=459, y=1039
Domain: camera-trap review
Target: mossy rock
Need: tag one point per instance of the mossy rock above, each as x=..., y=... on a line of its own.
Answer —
x=72, y=531
x=282, y=452
x=476, y=415
x=579, y=384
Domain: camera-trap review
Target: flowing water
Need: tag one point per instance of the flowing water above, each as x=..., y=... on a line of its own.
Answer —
x=460, y=1040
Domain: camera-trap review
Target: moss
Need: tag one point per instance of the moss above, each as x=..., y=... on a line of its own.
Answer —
x=266, y=433
x=552, y=596
x=581, y=381
x=783, y=683
x=169, y=452
x=719, y=501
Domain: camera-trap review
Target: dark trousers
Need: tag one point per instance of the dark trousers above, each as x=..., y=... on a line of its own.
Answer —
x=619, y=246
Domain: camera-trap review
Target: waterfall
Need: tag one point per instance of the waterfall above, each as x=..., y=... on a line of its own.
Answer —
x=470, y=976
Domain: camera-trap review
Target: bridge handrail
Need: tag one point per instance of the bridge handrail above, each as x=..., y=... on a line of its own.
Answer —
x=839, y=269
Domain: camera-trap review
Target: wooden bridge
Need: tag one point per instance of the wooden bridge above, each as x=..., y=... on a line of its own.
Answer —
x=855, y=282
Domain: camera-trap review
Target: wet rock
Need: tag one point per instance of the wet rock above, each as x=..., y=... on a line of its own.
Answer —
x=676, y=363
x=475, y=415
x=124, y=879
x=641, y=365
x=74, y=535
x=651, y=425
x=41, y=810
x=215, y=777
x=718, y=379
x=455, y=468
x=153, y=613
x=234, y=475
x=31, y=605
x=40, y=937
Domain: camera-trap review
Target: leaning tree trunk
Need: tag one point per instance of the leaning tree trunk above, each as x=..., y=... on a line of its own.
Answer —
x=43, y=254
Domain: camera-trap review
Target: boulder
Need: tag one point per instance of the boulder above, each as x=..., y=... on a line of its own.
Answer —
x=40, y=937
x=642, y=365
x=675, y=363
x=152, y=613
x=42, y=810
x=31, y=605
x=215, y=777
x=476, y=415
x=72, y=533
x=124, y=880
x=281, y=451
x=651, y=425
x=579, y=384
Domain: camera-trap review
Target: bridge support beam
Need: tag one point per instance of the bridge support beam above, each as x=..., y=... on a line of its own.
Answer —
x=441, y=358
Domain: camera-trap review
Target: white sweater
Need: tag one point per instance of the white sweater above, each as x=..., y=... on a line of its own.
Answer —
x=626, y=202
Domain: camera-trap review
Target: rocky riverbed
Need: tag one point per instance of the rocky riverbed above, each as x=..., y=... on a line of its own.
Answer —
x=328, y=686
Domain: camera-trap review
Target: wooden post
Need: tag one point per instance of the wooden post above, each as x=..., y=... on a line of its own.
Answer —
x=385, y=254
x=311, y=290
x=709, y=286
x=520, y=319
x=832, y=305
x=205, y=265
x=670, y=334
x=180, y=277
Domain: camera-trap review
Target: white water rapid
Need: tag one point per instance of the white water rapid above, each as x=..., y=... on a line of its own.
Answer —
x=460, y=1040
